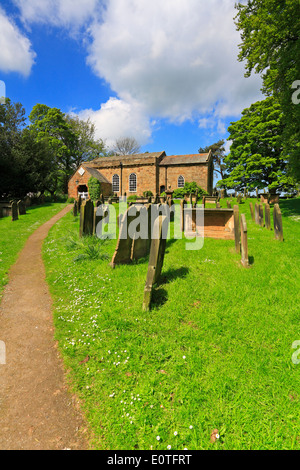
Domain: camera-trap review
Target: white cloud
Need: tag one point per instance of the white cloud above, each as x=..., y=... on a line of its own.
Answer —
x=67, y=13
x=16, y=54
x=170, y=59
x=117, y=118
x=179, y=59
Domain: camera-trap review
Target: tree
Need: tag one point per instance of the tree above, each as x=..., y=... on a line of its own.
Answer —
x=271, y=47
x=256, y=157
x=24, y=162
x=218, y=154
x=50, y=126
x=87, y=147
x=126, y=146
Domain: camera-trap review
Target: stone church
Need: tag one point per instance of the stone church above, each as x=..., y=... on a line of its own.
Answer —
x=134, y=174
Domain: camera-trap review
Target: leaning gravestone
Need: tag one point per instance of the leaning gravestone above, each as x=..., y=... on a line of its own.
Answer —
x=128, y=247
x=277, y=219
x=156, y=259
x=267, y=217
x=14, y=211
x=236, y=228
x=244, y=242
x=86, y=218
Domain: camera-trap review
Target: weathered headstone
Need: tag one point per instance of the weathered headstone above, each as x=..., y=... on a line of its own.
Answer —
x=218, y=206
x=99, y=215
x=75, y=208
x=236, y=228
x=228, y=204
x=244, y=242
x=239, y=199
x=261, y=215
x=21, y=207
x=257, y=213
x=252, y=211
x=156, y=259
x=182, y=207
x=277, y=220
x=267, y=217
x=141, y=241
x=14, y=211
x=86, y=218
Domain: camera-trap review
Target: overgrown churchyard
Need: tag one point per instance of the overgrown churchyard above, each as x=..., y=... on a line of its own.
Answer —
x=156, y=305
x=177, y=343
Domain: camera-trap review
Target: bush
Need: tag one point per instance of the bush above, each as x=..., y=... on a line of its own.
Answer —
x=132, y=198
x=147, y=193
x=189, y=188
x=94, y=186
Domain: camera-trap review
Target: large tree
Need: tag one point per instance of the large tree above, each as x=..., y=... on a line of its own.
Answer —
x=87, y=146
x=126, y=146
x=24, y=162
x=257, y=158
x=271, y=47
x=218, y=154
x=50, y=126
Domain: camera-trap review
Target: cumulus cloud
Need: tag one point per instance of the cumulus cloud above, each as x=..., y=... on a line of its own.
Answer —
x=179, y=59
x=67, y=13
x=117, y=118
x=16, y=54
x=174, y=60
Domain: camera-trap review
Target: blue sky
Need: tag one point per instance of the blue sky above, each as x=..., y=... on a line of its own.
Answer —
x=164, y=72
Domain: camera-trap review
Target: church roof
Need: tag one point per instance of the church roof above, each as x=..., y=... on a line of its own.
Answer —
x=96, y=174
x=185, y=159
x=134, y=159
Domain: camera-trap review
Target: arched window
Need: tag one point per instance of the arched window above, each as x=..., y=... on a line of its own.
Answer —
x=116, y=183
x=132, y=183
x=180, y=182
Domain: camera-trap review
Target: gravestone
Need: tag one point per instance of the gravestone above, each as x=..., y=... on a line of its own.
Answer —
x=252, y=211
x=257, y=213
x=75, y=208
x=267, y=217
x=130, y=246
x=98, y=218
x=79, y=202
x=261, y=215
x=244, y=242
x=236, y=228
x=182, y=206
x=239, y=199
x=14, y=211
x=156, y=259
x=141, y=245
x=228, y=204
x=277, y=220
x=218, y=206
x=86, y=218
x=21, y=207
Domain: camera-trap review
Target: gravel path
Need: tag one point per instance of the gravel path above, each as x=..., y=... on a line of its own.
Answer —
x=37, y=412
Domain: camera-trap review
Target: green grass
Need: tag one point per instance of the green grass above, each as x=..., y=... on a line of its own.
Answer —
x=13, y=235
x=214, y=352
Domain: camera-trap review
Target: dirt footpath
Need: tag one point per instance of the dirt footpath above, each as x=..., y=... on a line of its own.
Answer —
x=37, y=412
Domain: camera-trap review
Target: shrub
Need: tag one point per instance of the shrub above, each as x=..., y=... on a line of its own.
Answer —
x=94, y=186
x=189, y=188
x=147, y=194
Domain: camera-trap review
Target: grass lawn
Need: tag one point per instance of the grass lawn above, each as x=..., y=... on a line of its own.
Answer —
x=214, y=352
x=13, y=235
